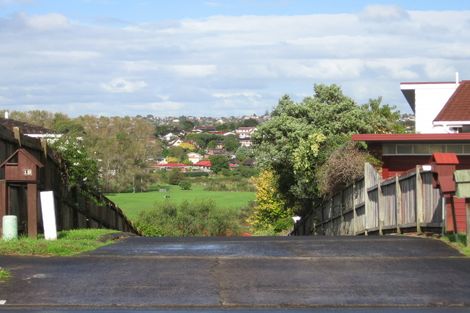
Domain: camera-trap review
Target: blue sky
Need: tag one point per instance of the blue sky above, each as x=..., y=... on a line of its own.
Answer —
x=151, y=10
x=221, y=57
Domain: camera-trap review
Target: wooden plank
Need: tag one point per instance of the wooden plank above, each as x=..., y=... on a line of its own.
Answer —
x=32, y=200
x=354, y=221
x=468, y=221
x=398, y=211
x=419, y=199
x=380, y=207
x=366, y=196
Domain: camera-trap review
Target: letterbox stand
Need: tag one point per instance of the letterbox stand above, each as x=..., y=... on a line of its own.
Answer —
x=21, y=168
x=443, y=167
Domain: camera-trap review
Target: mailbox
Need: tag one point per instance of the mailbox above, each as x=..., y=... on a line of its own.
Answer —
x=462, y=178
x=443, y=167
x=21, y=169
x=21, y=166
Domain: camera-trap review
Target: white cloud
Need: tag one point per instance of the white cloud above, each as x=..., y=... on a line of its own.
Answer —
x=225, y=64
x=384, y=13
x=51, y=21
x=121, y=85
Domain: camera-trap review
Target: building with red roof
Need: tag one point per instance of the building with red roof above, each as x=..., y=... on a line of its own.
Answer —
x=442, y=123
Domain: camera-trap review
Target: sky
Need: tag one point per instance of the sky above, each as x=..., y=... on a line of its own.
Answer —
x=221, y=57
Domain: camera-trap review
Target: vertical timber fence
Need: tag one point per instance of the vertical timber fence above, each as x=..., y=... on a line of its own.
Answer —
x=371, y=205
x=75, y=207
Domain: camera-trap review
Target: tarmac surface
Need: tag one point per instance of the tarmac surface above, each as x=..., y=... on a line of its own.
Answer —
x=287, y=274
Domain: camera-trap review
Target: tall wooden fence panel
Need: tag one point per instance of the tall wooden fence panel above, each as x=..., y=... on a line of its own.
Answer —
x=75, y=207
x=372, y=205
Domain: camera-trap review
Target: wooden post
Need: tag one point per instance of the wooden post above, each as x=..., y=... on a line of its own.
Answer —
x=467, y=201
x=32, y=210
x=354, y=209
x=419, y=200
x=366, y=196
x=3, y=202
x=398, y=217
x=341, y=225
x=379, y=207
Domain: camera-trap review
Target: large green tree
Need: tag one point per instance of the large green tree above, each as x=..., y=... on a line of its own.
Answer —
x=300, y=137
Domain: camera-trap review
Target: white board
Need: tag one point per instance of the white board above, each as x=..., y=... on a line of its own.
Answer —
x=48, y=215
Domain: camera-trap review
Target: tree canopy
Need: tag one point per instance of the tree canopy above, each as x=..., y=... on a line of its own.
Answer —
x=300, y=137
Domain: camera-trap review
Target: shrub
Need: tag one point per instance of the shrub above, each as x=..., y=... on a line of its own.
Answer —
x=196, y=174
x=343, y=167
x=201, y=218
x=175, y=177
x=185, y=185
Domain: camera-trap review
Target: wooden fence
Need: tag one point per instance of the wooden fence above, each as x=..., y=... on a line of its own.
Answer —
x=372, y=205
x=75, y=208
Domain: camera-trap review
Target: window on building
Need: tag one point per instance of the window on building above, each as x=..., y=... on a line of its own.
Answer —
x=404, y=149
x=424, y=149
x=455, y=149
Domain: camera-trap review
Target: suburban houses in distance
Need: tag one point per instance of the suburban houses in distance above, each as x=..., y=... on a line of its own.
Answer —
x=222, y=137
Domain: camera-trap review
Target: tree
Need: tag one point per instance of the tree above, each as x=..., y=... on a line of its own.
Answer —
x=270, y=209
x=203, y=139
x=244, y=153
x=185, y=124
x=175, y=177
x=300, y=137
x=231, y=143
x=80, y=169
x=218, y=163
x=250, y=122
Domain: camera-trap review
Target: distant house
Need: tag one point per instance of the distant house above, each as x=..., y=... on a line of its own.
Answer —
x=439, y=107
x=216, y=152
x=245, y=132
x=203, y=166
x=170, y=166
x=194, y=157
x=29, y=129
x=246, y=142
x=168, y=137
x=175, y=143
x=203, y=129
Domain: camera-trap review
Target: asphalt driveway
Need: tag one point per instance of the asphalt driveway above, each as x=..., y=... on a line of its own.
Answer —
x=214, y=273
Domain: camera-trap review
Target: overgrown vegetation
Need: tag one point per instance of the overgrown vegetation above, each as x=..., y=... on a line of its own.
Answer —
x=298, y=143
x=458, y=243
x=199, y=218
x=4, y=274
x=270, y=214
x=69, y=242
x=344, y=166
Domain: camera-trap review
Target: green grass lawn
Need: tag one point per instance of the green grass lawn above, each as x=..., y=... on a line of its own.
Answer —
x=69, y=242
x=133, y=203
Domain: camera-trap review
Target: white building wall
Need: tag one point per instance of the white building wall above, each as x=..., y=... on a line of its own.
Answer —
x=429, y=101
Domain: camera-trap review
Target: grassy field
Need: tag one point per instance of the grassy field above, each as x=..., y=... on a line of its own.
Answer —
x=133, y=203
